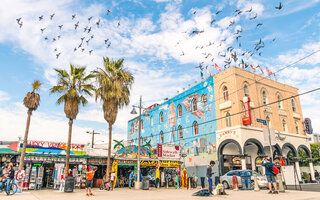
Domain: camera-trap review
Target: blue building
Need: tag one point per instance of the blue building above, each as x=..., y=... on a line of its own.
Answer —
x=188, y=120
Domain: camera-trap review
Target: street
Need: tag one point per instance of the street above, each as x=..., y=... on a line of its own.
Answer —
x=159, y=194
x=306, y=187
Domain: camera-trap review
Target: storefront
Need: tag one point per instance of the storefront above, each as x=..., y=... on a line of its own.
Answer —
x=101, y=164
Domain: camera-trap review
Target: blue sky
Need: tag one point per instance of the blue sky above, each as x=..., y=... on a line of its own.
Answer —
x=151, y=38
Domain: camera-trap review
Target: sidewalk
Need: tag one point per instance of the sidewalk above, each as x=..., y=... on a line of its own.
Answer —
x=160, y=194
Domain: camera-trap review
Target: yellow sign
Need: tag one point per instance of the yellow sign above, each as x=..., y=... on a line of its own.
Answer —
x=163, y=163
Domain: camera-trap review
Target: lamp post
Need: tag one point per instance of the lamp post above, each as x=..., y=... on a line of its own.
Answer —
x=270, y=145
x=138, y=184
x=93, y=133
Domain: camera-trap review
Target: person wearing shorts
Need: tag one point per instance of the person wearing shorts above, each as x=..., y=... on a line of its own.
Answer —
x=89, y=181
x=270, y=176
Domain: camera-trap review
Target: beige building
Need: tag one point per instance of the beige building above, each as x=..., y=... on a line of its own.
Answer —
x=242, y=146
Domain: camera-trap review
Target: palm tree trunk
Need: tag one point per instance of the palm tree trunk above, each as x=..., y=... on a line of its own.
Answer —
x=68, y=148
x=25, y=140
x=109, y=150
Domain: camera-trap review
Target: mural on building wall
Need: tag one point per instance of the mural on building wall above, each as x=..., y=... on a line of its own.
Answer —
x=200, y=147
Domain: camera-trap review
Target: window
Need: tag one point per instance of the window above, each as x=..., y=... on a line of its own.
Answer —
x=141, y=124
x=161, y=117
x=225, y=93
x=195, y=128
x=151, y=120
x=228, y=120
x=264, y=98
x=179, y=110
x=161, y=137
x=284, y=125
x=279, y=102
x=180, y=132
x=293, y=105
x=194, y=105
x=297, y=127
x=246, y=90
x=151, y=139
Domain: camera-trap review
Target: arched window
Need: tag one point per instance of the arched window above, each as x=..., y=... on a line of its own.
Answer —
x=297, y=127
x=195, y=128
x=284, y=125
x=141, y=124
x=225, y=93
x=279, y=102
x=179, y=110
x=151, y=120
x=132, y=127
x=293, y=105
x=246, y=90
x=194, y=105
x=161, y=137
x=228, y=120
x=180, y=132
x=161, y=117
x=264, y=98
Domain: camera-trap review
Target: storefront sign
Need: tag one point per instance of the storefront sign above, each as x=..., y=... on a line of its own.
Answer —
x=168, y=151
x=236, y=161
x=97, y=161
x=307, y=125
x=126, y=162
x=53, y=148
x=246, y=120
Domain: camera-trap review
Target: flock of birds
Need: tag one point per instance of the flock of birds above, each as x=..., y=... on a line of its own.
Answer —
x=230, y=53
x=88, y=29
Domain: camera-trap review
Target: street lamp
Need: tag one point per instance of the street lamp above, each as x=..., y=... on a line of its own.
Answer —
x=138, y=184
x=268, y=119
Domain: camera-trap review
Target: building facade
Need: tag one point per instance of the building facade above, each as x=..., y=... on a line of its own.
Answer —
x=228, y=118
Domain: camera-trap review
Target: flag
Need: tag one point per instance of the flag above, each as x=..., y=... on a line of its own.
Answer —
x=242, y=63
x=217, y=67
x=208, y=71
x=268, y=72
x=202, y=77
x=260, y=69
x=253, y=67
x=281, y=161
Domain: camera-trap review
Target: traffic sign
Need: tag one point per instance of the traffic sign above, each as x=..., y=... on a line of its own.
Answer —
x=264, y=122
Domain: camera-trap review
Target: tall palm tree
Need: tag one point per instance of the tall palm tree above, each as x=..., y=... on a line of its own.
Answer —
x=73, y=86
x=31, y=101
x=114, y=83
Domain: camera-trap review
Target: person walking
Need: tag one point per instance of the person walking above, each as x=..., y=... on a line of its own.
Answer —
x=131, y=178
x=316, y=175
x=270, y=175
x=176, y=181
x=162, y=175
x=89, y=181
x=112, y=178
x=157, y=178
x=209, y=174
x=8, y=180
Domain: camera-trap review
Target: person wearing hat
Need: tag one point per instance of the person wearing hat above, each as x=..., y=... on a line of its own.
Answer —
x=266, y=162
x=89, y=181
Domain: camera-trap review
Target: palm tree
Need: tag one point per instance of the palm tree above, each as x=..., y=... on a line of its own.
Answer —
x=73, y=86
x=31, y=101
x=114, y=83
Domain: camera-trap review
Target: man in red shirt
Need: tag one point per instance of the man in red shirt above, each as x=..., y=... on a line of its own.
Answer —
x=89, y=181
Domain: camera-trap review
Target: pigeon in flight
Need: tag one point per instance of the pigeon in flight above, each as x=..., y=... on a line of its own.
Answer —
x=51, y=16
x=42, y=29
x=90, y=52
x=237, y=38
x=41, y=17
x=55, y=49
x=274, y=39
x=232, y=23
x=89, y=19
x=46, y=38
x=76, y=25
x=255, y=16
x=194, y=12
x=249, y=10
x=59, y=36
x=18, y=20
x=108, y=11
x=98, y=23
x=182, y=54
x=82, y=39
x=85, y=29
x=260, y=24
x=212, y=21
x=89, y=29
x=82, y=49
x=218, y=12
x=279, y=7
x=57, y=55
x=109, y=45
x=105, y=41
x=92, y=36
x=87, y=41
x=118, y=24
x=75, y=49
x=60, y=26
x=74, y=16
x=54, y=39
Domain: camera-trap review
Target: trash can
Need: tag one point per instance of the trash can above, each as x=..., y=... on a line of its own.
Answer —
x=69, y=184
x=145, y=182
x=246, y=180
x=202, y=182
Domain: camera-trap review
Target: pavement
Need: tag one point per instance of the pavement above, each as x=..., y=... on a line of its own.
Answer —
x=159, y=194
x=306, y=187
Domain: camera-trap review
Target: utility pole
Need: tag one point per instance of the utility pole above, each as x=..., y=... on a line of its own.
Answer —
x=139, y=143
x=270, y=145
x=93, y=133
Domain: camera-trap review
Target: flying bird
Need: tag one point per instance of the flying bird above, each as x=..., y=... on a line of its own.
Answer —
x=41, y=17
x=232, y=23
x=54, y=39
x=76, y=25
x=82, y=49
x=59, y=36
x=89, y=19
x=249, y=10
x=82, y=39
x=109, y=45
x=57, y=55
x=209, y=54
x=18, y=20
x=75, y=49
x=91, y=36
x=51, y=16
x=60, y=26
x=194, y=12
x=90, y=52
x=108, y=11
x=212, y=21
x=85, y=29
x=74, y=16
x=255, y=16
x=98, y=23
x=260, y=24
x=20, y=25
x=55, y=49
x=219, y=11
x=87, y=41
x=89, y=29
x=182, y=54
x=279, y=7
x=105, y=41
x=42, y=29
x=274, y=39
x=46, y=38
x=118, y=24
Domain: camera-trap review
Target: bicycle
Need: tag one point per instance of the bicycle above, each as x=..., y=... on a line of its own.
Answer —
x=13, y=187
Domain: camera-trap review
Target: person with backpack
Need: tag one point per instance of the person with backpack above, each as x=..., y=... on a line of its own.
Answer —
x=89, y=180
x=270, y=174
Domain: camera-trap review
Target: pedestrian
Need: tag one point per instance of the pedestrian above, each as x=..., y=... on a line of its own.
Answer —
x=316, y=175
x=131, y=178
x=1, y=172
x=176, y=181
x=89, y=181
x=8, y=180
x=195, y=181
x=209, y=174
x=162, y=178
x=270, y=175
x=157, y=178
x=112, y=178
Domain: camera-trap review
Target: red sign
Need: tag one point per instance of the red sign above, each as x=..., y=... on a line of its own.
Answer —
x=246, y=120
x=37, y=144
x=166, y=151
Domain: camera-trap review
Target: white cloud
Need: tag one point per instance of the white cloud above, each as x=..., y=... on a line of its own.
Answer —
x=4, y=96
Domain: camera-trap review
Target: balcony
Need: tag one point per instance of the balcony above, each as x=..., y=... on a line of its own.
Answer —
x=268, y=109
x=282, y=112
x=225, y=105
